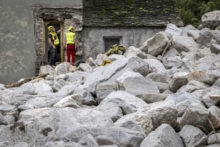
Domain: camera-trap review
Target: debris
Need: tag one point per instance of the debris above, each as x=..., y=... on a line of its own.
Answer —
x=19, y=83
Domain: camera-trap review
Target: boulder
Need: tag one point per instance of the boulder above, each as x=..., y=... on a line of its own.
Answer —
x=108, y=146
x=40, y=102
x=162, y=86
x=186, y=29
x=184, y=43
x=82, y=96
x=127, y=102
x=133, y=51
x=193, y=136
x=100, y=58
x=195, y=115
x=158, y=77
x=103, y=73
x=155, y=45
x=213, y=145
x=192, y=86
x=67, y=102
x=217, y=83
x=210, y=62
x=91, y=62
x=173, y=29
x=61, y=77
x=85, y=67
x=36, y=87
x=161, y=112
x=62, y=68
x=104, y=89
x=211, y=19
x=112, y=110
x=155, y=66
x=215, y=116
x=62, y=144
x=205, y=37
x=136, y=121
x=183, y=105
x=206, y=97
x=14, y=144
x=179, y=97
x=2, y=120
x=58, y=84
x=136, y=84
x=215, y=48
x=46, y=69
x=173, y=61
x=214, y=138
x=88, y=141
x=194, y=34
x=179, y=79
x=121, y=136
x=62, y=123
x=153, y=97
x=134, y=64
x=163, y=136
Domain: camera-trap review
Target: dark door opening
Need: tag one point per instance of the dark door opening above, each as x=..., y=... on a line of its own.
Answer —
x=58, y=26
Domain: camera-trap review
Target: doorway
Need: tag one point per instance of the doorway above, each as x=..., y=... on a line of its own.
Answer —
x=57, y=25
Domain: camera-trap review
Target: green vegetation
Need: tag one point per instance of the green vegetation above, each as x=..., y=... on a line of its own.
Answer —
x=191, y=11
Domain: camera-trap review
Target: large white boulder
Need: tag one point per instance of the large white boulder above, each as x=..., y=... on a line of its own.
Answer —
x=127, y=102
x=133, y=51
x=163, y=136
x=62, y=123
x=215, y=116
x=47, y=69
x=195, y=115
x=104, y=89
x=155, y=66
x=62, y=68
x=193, y=136
x=184, y=43
x=179, y=79
x=137, y=122
x=211, y=19
x=173, y=29
x=161, y=112
x=121, y=136
x=155, y=45
x=103, y=73
x=136, y=84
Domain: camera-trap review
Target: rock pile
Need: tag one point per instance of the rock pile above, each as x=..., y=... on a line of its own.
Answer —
x=157, y=95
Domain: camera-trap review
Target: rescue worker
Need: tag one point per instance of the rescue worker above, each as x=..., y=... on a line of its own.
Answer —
x=70, y=42
x=54, y=48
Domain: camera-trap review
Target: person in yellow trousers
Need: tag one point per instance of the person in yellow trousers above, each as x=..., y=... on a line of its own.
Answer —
x=70, y=42
x=54, y=45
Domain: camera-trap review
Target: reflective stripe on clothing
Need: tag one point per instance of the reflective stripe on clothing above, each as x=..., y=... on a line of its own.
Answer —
x=70, y=38
x=55, y=38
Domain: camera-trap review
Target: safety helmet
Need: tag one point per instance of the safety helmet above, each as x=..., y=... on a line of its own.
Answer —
x=50, y=28
x=70, y=27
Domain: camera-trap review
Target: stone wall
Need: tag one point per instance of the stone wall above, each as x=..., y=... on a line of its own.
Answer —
x=17, y=39
x=94, y=42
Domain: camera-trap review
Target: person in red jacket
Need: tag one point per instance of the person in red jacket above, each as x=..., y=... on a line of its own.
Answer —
x=70, y=42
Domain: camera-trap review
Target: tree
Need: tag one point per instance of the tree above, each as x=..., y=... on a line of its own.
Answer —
x=191, y=11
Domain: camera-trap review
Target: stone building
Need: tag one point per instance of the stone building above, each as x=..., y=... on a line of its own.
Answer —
x=98, y=23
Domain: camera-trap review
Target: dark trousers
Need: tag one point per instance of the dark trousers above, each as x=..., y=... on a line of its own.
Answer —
x=58, y=59
x=52, y=55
